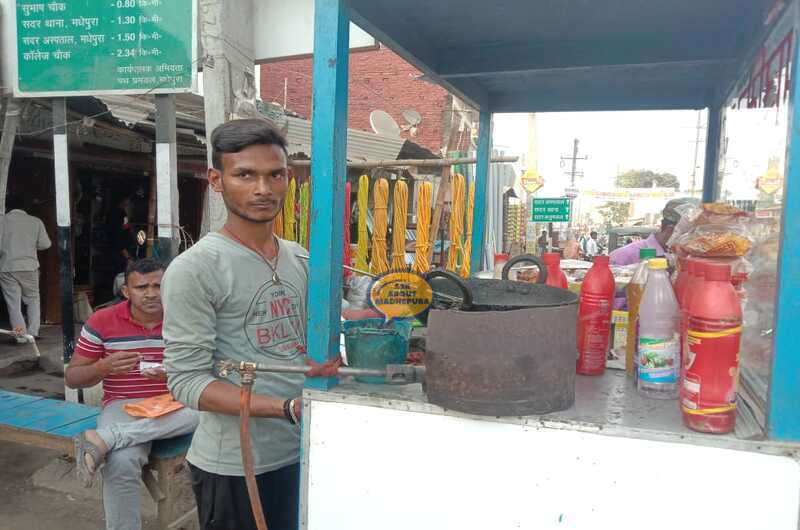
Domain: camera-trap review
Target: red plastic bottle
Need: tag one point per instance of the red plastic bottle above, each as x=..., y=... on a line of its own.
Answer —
x=697, y=274
x=711, y=368
x=555, y=276
x=683, y=278
x=685, y=284
x=594, y=317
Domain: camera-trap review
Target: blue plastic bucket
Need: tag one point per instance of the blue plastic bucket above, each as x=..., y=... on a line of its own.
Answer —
x=372, y=343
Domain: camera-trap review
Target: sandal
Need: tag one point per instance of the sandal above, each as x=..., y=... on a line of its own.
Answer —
x=82, y=448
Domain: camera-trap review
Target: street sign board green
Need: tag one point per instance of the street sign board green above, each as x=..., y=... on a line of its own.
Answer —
x=550, y=210
x=94, y=47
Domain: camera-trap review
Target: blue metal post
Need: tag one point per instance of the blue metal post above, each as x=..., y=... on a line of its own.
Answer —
x=783, y=414
x=481, y=180
x=328, y=170
x=711, y=169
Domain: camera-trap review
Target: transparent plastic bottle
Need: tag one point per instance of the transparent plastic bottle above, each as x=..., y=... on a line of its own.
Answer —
x=658, y=355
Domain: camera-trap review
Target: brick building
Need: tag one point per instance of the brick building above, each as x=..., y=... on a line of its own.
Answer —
x=379, y=79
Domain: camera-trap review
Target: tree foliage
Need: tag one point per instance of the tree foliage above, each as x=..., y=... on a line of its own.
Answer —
x=644, y=178
x=615, y=214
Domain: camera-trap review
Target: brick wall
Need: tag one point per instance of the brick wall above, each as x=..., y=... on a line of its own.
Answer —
x=379, y=79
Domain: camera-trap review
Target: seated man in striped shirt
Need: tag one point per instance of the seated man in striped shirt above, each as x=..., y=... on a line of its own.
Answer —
x=112, y=344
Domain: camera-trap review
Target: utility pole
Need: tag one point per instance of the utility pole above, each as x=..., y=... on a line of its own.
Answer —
x=699, y=127
x=572, y=191
x=226, y=33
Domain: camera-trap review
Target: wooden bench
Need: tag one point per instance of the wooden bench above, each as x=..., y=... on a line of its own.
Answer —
x=51, y=424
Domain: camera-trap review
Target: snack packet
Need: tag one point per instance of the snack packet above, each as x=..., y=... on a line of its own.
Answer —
x=153, y=407
x=712, y=230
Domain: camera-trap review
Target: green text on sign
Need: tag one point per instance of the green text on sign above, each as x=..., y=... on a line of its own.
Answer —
x=98, y=46
x=550, y=210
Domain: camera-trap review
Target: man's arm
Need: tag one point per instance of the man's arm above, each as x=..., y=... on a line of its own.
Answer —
x=221, y=396
x=85, y=372
x=42, y=240
x=189, y=336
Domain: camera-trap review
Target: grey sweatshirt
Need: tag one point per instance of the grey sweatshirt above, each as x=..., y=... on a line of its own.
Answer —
x=220, y=303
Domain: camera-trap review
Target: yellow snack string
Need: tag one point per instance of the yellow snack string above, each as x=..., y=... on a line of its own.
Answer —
x=399, y=225
x=288, y=212
x=363, y=236
x=423, y=244
x=465, y=264
x=380, y=196
x=456, y=223
x=305, y=192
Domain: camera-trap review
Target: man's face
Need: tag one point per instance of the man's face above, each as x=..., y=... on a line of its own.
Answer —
x=144, y=292
x=253, y=182
x=667, y=228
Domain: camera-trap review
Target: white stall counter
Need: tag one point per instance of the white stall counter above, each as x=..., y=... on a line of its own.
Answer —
x=378, y=456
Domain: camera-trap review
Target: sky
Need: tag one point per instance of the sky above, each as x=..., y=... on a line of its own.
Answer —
x=615, y=142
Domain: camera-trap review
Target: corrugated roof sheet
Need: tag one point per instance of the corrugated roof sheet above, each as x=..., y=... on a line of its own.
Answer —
x=138, y=109
x=360, y=145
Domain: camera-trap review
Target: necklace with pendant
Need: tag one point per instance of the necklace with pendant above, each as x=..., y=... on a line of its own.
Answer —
x=274, y=268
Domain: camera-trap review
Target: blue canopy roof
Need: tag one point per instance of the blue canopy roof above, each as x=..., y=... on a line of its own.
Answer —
x=562, y=55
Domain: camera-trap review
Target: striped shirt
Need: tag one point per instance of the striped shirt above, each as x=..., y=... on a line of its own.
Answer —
x=112, y=330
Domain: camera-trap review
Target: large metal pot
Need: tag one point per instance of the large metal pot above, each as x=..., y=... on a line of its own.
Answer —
x=506, y=349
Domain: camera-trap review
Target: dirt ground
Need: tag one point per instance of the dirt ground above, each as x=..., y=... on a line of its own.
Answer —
x=38, y=488
x=39, y=492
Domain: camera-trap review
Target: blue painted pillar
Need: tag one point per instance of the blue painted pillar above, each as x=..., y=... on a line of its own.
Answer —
x=713, y=138
x=783, y=408
x=328, y=176
x=481, y=181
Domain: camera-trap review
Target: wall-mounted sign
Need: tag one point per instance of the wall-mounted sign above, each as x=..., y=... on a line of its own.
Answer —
x=550, y=210
x=91, y=47
x=771, y=181
x=286, y=29
x=532, y=181
x=631, y=193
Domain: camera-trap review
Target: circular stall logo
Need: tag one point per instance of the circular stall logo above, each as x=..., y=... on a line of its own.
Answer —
x=400, y=295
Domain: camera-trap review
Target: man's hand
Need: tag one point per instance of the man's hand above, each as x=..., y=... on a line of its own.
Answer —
x=119, y=363
x=298, y=408
x=328, y=369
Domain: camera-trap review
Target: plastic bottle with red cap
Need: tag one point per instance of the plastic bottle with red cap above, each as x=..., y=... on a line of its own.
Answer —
x=594, y=317
x=711, y=366
x=555, y=276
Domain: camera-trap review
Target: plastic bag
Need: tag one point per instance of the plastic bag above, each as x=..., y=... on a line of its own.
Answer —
x=358, y=293
x=153, y=407
x=712, y=230
x=718, y=241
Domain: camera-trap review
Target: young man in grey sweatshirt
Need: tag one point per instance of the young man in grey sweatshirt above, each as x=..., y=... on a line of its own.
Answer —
x=240, y=294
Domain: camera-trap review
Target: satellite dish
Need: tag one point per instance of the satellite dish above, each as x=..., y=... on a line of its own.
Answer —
x=412, y=117
x=384, y=124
